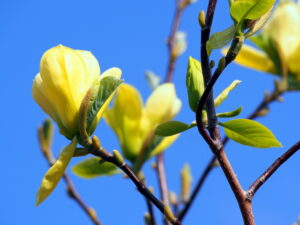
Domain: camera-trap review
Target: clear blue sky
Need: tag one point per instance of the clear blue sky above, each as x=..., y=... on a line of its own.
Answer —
x=130, y=35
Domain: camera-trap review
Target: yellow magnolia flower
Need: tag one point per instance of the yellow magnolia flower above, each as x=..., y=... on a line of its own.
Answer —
x=134, y=123
x=64, y=79
x=280, y=42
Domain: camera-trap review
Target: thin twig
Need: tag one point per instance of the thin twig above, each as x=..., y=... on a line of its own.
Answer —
x=162, y=180
x=213, y=139
x=197, y=189
x=99, y=151
x=264, y=104
x=72, y=192
x=269, y=172
x=169, y=75
x=171, y=42
x=151, y=212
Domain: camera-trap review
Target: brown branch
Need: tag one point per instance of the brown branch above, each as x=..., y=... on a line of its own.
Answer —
x=169, y=75
x=162, y=180
x=264, y=104
x=72, y=192
x=151, y=212
x=171, y=41
x=203, y=177
x=269, y=172
x=99, y=151
x=213, y=139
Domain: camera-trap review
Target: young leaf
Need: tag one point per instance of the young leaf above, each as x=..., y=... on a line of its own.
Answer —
x=233, y=113
x=107, y=88
x=162, y=145
x=220, y=39
x=251, y=133
x=172, y=127
x=194, y=82
x=259, y=23
x=90, y=168
x=55, y=173
x=224, y=94
x=250, y=9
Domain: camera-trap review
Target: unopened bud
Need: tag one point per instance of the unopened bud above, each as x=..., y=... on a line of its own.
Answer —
x=173, y=198
x=118, y=157
x=96, y=143
x=93, y=214
x=222, y=64
x=168, y=214
x=186, y=180
x=201, y=19
x=180, y=44
x=147, y=219
x=263, y=112
x=151, y=189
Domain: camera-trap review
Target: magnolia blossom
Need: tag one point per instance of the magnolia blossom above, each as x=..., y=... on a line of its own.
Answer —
x=64, y=79
x=279, y=41
x=134, y=123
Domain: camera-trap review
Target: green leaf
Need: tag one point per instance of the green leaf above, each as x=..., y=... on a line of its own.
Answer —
x=251, y=133
x=107, y=88
x=172, y=127
x=90, y=168
x=220, y=39
x=224, y=94
x=194, y=82
x=233, y=113
x=55, y=173
x=250, y=9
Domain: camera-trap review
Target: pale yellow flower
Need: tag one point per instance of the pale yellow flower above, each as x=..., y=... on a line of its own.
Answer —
x=64, y=79
x=279, y=41
x=134, y=123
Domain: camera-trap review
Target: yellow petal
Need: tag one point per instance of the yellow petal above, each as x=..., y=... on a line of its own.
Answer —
x=41, y=99
x=254, y=59
x=125, y=119
x=283, y=27
x=163, y=104
x=116, y=72
x=164, y=144
x=294, y=63
x=55, y=173
x=66, y=76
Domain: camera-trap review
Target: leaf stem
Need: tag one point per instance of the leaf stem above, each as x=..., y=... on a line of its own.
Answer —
x=162, y=179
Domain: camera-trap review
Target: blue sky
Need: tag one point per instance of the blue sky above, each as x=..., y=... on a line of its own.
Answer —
x=130, y=35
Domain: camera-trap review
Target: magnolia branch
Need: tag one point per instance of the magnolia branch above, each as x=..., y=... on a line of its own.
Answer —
x=264, y=104
x=72, y=192
x=271, y=170
x=96, y=149
x=180, y=6
x=213, y=138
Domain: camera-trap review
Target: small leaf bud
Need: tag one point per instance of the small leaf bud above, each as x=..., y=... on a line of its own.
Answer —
x=118, y=157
